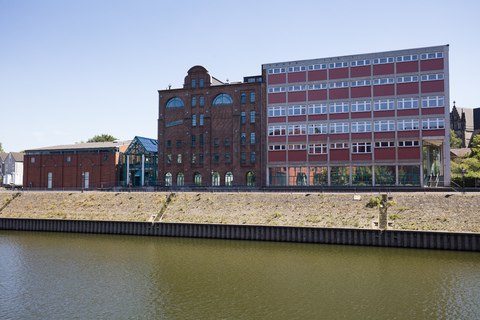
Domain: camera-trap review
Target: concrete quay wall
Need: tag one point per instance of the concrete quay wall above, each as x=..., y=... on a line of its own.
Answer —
x=340, y=236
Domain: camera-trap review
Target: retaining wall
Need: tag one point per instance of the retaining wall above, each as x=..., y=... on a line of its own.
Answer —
x=363, y=237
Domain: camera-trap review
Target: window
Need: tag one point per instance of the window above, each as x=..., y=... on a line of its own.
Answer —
x=317, y=128
x=338, y=65
x=194, y=102
x=242, y=157
x=407, y=79
x=197, y=179
x=276, y=147
x=338, y=107
x=297, y=110
x=227, y=157
x=276, y=130
x=407, y=103
x=339, y=145
x=105, y=158
x=174, y=123
x=297, y=147
x=276, y=90
x=436, y=123
x=194, y=120
x=333, y=85
x=365, y=126
x=297, y=129
x=193, y=83
x=168, y=179
x=174, y=103
x=200, y=83
x=201, y=120
x=276, y=111
x=252, y=157
x=169, y=143
x=252, y=97
x=180, y=179
x=361, y=147
x=252, y=138
x=296, y=69
x=407, y=58
x=194, y=140
x=317, y=148
x=179, y=143
x=384, y=144
x=340, y=127
x=252, y=116
x=169, y=159
x=359, y=106
x=296, y=88
x=360, y=83
x=179, y=158
x=216, y=158
x=380, y=105
x=360, y=63
x=216, y=142
x=317, y=86
x=404, y=125
x=432, y=102
x=382, y=60
x=384, y=125
x=408, y=143
x=383, y=81
x=222, y=100
x=228, y=179
x=317, y=109
x=242, y=117
x=200, y=158
x=200, y=142
x=435, y=55
x=242, y=98
x=432, y=77
x=242, y=138
x=276, y=70
x=68, y=159
x=227, y=141
x=32, y=160
x=193, y=158
x=318, y=66
x=201, y=102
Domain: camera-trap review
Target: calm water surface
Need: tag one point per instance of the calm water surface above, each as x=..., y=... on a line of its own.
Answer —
x=82, y=276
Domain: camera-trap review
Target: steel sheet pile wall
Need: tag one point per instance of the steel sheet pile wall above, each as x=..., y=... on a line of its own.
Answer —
x=363, y=237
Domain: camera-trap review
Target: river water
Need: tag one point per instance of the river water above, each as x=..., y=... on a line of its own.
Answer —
x=84, y=276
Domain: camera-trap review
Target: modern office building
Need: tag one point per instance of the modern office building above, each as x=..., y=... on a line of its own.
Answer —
x=210, y=132
x=378, y=119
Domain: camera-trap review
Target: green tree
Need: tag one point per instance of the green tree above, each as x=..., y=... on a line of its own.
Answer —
x=476, y=147
x=102, y=138
x=455, y=141
x=1, y=148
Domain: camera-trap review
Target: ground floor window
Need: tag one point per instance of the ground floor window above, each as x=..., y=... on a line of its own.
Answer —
x=168, y=179
x=362, y=176
x=250, y=179
x=197, y=179
x=278, y=176
x=228, y=179
x=318, y=176
x=384, y=175
x=409, y=176
x=340, y=176
x=215, y=179
x=180, y=179
x=297, y=176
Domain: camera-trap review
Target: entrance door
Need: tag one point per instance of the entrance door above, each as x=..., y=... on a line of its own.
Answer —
x=432, y=166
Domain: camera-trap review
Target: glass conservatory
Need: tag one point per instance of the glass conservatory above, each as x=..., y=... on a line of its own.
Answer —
x=138, y=164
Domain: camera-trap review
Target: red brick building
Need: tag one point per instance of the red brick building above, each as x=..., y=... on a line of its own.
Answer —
x=210, y=133
x=83, y=165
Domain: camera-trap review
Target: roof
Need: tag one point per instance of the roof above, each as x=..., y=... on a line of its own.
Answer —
x=3, y=156
x=83, y=146
x=17, y=156
x=459, y=152
x=147, y=146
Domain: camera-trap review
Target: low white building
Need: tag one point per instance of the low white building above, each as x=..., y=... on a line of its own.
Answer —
x=13, y=169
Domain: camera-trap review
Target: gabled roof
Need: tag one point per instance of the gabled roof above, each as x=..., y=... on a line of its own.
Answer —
x=17, y=156
x=82, y=146
x=146, y=145
x=3, y=155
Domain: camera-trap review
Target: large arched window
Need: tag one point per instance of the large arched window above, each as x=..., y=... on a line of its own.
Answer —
x=168, y=179
x=215, y=179
x=222, y=99
x=229, y=179
x=180, y=179
x=197, y=179
x=250, y=179
x=174, y=103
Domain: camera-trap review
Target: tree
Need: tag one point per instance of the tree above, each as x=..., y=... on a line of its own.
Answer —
x=1, y=148
x=102, y=138
x=476, y=147
x=455, y=141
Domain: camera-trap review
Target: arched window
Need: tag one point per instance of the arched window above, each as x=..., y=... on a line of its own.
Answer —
x=197, y=179
x=215, y=179
x=168, y=179
x=250, y=179
x=229, y=179
x=222, y=99
x=174, y=103
x=180, y=178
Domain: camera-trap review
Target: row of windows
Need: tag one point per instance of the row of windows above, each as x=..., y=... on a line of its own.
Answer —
x=200, y=83
x=242, y=118
x=356, y=106
x=197, y=179
x=216, y=141
x=356, y=63
x=356, y=127
x=221, y=99
x=199, y=158
x=356, y=147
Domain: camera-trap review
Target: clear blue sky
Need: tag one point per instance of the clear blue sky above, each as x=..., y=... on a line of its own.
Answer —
x=72, y=69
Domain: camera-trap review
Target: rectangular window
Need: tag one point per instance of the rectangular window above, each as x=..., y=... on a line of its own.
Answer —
x=296, y=88
x=200, y=83
x=297, y=110
x=276, y=130
x=227, y=157
x=360, y=63
x=364, y=126
x=297, y=147
x=404, y=125
x=383, y=60
x=384, y=144
x=216, y=142
x=276, y=90
x=252, y=138
x=227, y=141
x=333, y=85
x=169, y=143
x=317, y=66
x=242, y=138
x=435, y=55
x=194, y=140
x=194, y=102
x=380, y=105
x=242, y=157
x=216, y=158
x=194, y=120
x=179, y=158
x=252, y=97
x=407, y=58
x=317, y=86
x=432, y=102
x=384, y=125
x=297, y=129
x=276, y=112
x=383, y=81
x=252, y=157
x=317, y=148
x=361, y=147
x=317, y=128
x=317, y=109
x=201, y=101
x=432, y=77
x=407, y=79
x=408, y=143
x=252, y=116
x=193, y=158
x=436, y=123
x=360, y=106
x=32, y=160
x=169, y=159
x=200, y=158
x=242, y=98
x=339, y=145
x=360, y=83
x=276, y=147
x=242, y=117
x=338, y=65
x=407, y=103
x=200, y=142
x=296, y=69
x=179, y=143
x=193, y=83
x=68, y=159
x=340, y=127
x=276, y=70
x=338, y=107
x=201, y=120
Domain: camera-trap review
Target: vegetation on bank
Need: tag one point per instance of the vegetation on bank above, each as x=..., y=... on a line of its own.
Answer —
x=442, y=212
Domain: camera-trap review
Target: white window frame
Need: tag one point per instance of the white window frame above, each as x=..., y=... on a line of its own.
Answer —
x=433, y=123
x=296, y=88
x=341, y=145
x=297, y=69
x=383, y=81
x=432, y=77
x=412, y=57
x=297, y=147
x=361, y=83
x=361, y=126
x=336, y=65
x=276, y=147
x=439, y=101
x=319, y=108
x=339, y=127
x=273, y=130
x=383, y=60
x=385, y=144
x=433, y=55
x=359, y=63
x=297, y=129
x=407, y=103
x=318, y=148
x=276, y=70
x=407, y=79
x=385, y=104
x=321, y=66
x=277, y=90
x=279, y=111
x=384, y=125
x=361, y=106
x=408, y=124
x=318, y=86
x=414, y=143
x=297, y=110
x=338, y=107
x=317, y=128
x=361, y=147
x=334, y=85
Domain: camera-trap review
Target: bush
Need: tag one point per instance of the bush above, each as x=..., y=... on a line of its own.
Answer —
x=374, y=202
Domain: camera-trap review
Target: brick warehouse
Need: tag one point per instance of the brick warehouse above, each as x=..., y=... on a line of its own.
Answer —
x=83, y=165
x=210, y=133
x=378, y=119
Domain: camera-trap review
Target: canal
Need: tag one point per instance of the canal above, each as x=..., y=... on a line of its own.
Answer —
x=86, y=276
